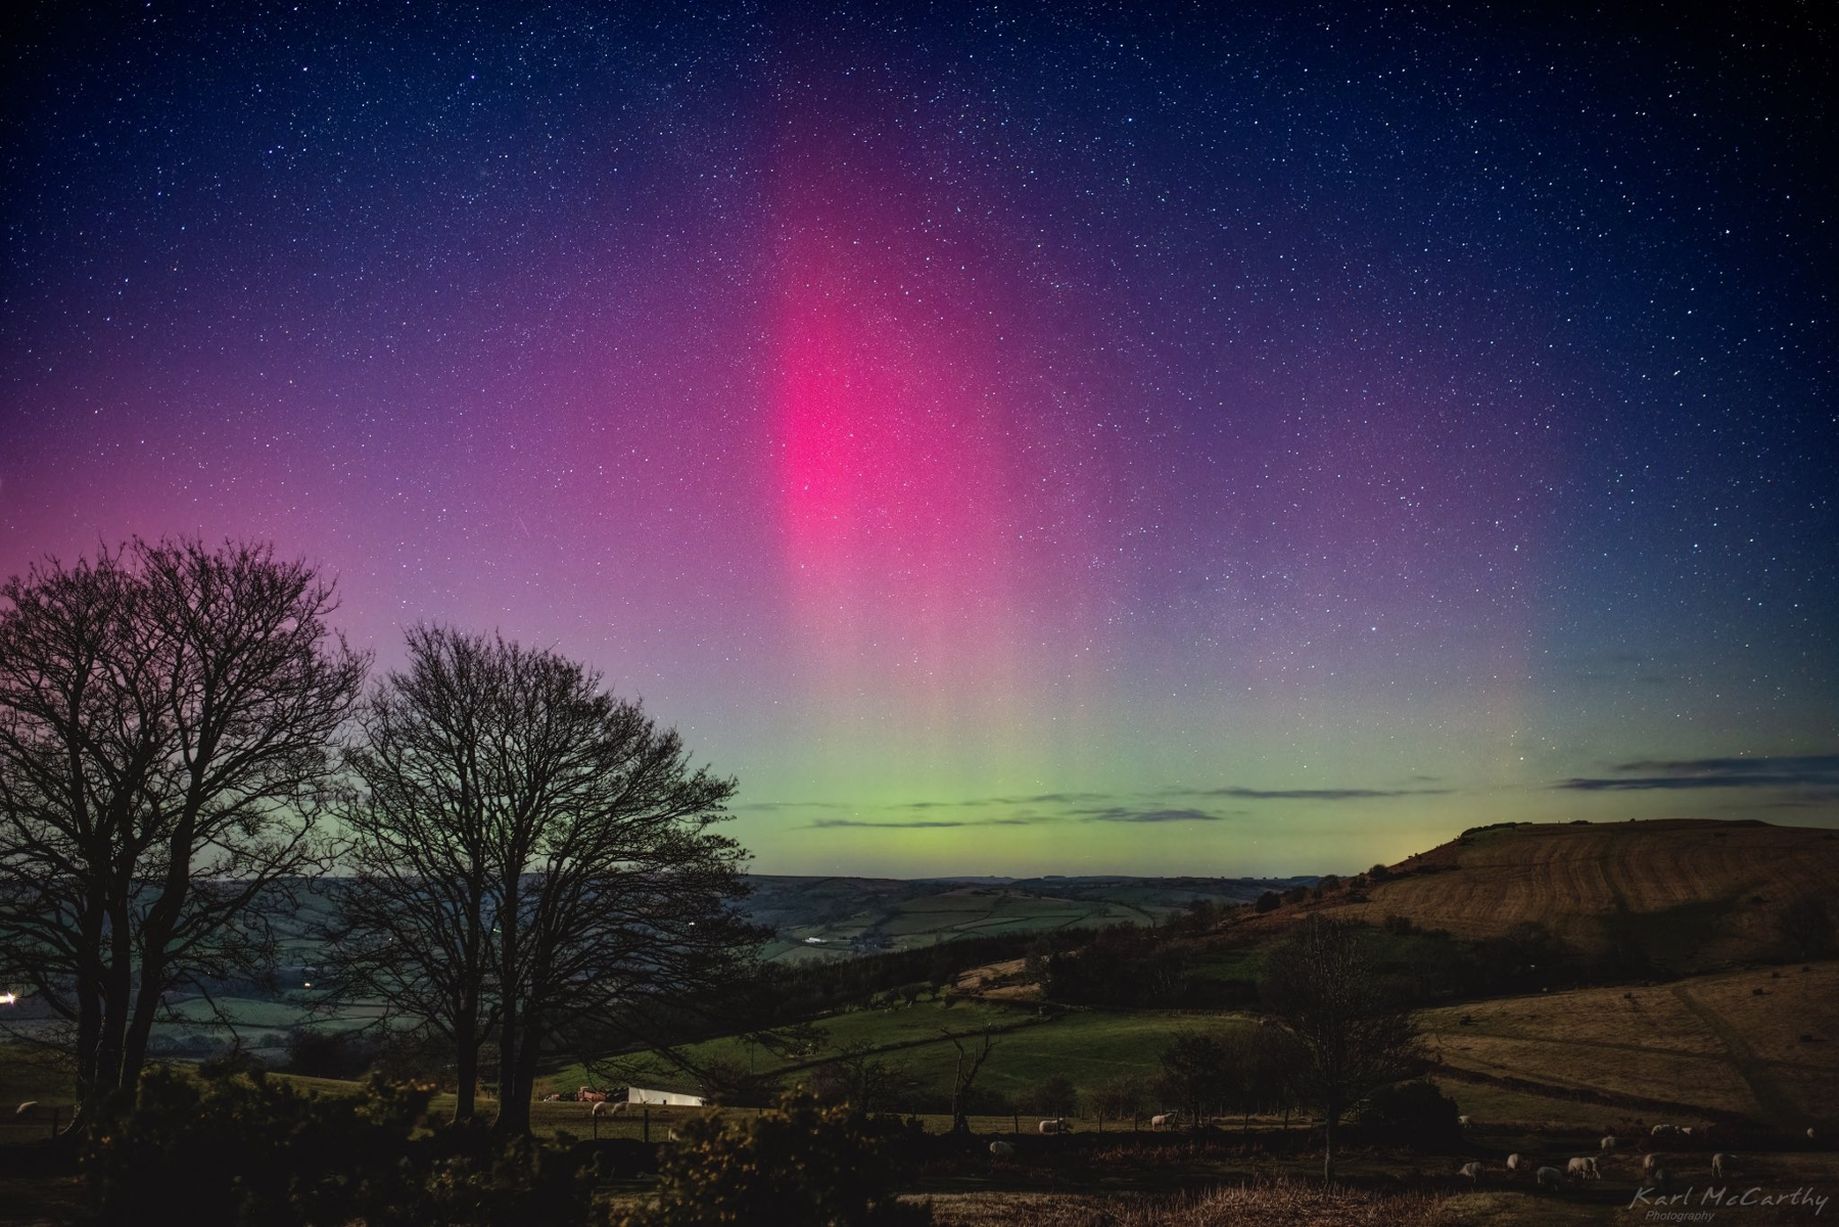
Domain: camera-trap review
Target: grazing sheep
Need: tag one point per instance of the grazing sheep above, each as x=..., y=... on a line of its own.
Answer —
x=1463, y=1121
x=603, y=1108
x=1002, y=1150
x=1518, y=1163
x=1162, y=1120
x=553, y=1097
x=29, y=1104
x=1582, y=1168
x=1608, y=1145
x=1472, y=1170
x=1056, y=1125
x=1549, y=1177
x=1650, y=1161
x=1664, y=1131
x=1722, y=1165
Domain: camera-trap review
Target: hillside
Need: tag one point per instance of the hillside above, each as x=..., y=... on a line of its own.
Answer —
x=1690, y=894
x=1755, y=1044
x=815, y=917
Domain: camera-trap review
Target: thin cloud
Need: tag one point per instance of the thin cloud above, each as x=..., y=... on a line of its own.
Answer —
x=1121, y=814
x=917, y=824
x=1307, y=794
x=1685, y=774
x=1045, y=798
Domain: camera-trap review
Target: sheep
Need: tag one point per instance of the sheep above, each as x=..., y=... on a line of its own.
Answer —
x=1685, y=1131
x=1548, y=1177
x=1810, y=1134
x=553, y=1097
x=1057, y=1125
x=1722, y=1165
x=1472, y=1170
x=1162, y=1120
x=1608, y=1145
x=1518, y=1163
x=29, y=1104
x=603, y=1108
x=1650, y=1161
x=1582, y=1168
x=1664, y=1131
x=1463, y=1121
x=1002, y=1150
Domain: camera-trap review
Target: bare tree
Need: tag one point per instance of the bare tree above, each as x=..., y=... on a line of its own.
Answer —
x=581, y=826
x=167, y=724
x=1120, y=1097
x=413, y=928
x=1354, y=1037
x=964, y=1077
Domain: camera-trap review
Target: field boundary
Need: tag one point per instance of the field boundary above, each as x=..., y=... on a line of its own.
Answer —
x=1770, y=1099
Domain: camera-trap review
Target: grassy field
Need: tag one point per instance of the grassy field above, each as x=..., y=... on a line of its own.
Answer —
x=1720, y=1044
x=1087, y=1046
x=899, y=921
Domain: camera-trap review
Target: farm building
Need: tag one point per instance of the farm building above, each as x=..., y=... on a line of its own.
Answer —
x=679, y=1099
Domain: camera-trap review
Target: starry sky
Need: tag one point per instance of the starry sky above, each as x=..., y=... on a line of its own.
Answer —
x=1089, y=438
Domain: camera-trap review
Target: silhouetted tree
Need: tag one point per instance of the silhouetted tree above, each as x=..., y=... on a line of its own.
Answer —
x=1054, y=1096
x=727, y=1082
x=603, y=889
x=862, y=1079
x=167, y=724
x=1354, y=1036
x=414, y=927
x=964, y=1076
x=1122, y=1097
x=1196, y=1075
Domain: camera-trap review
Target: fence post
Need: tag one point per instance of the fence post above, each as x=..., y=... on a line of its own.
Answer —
x=648, y=1122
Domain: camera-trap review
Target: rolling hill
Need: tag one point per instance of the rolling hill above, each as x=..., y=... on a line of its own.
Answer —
x=1692, y=894
x=816, y=917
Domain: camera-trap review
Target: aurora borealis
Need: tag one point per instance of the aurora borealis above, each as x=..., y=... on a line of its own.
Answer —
x=1086, y=439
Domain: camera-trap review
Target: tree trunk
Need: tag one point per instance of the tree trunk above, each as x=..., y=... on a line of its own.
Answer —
x=117, y=1000
x=466, y=1067
x=509, y=951
x=520, y=1076
x=90, y=1001
x=507, y=1073
x=1332, y=1118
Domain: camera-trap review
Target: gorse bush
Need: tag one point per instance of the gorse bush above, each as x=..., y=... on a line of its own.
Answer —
x=800, y=1163
x=1415, y=1113
x=238, y=1151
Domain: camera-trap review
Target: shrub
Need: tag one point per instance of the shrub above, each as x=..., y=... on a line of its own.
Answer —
x=1415, y=1113
x=1057, y=1096
x=233, y=1151
x=329, y=1054
x=799, y=1163
x=1269, y=901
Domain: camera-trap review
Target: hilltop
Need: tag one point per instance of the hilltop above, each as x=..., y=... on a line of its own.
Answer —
x=1688, y=894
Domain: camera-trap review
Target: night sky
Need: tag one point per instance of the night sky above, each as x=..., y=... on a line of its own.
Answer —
x=1203, y=439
